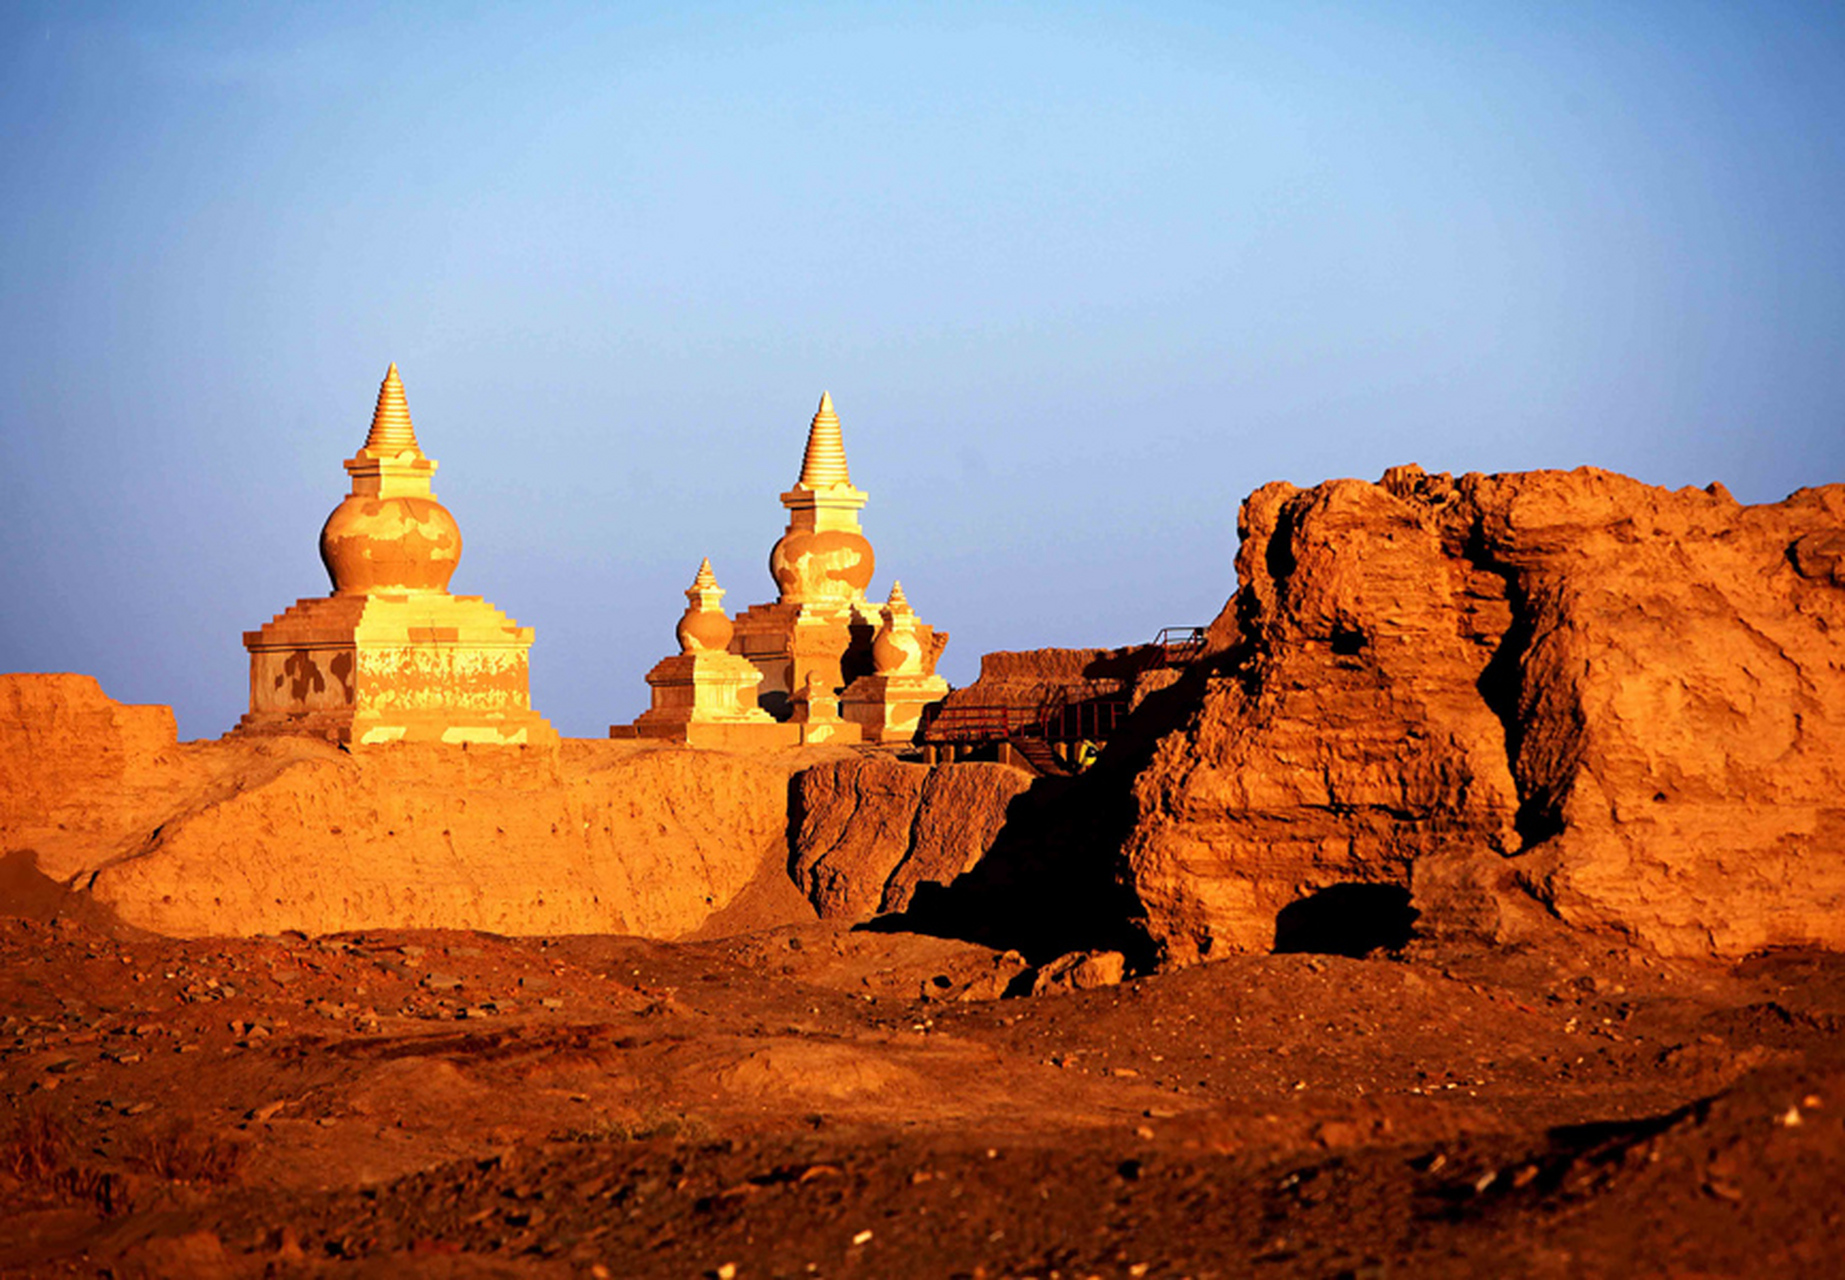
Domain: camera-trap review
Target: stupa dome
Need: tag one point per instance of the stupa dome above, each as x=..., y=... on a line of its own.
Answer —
x=705, y=628
x=390, y=535
x=896, y=650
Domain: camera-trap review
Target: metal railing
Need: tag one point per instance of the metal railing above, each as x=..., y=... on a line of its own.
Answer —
x=1058, y=718
x=1177, y=646
x=975, y=722
x=1092, y=720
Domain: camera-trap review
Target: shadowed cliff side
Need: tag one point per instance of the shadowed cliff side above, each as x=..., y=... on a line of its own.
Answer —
x=984, y=852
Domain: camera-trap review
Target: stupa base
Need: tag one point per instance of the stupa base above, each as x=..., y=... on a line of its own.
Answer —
x=369, y=670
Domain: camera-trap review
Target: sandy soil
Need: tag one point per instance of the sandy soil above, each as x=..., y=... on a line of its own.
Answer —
x=822, y=1101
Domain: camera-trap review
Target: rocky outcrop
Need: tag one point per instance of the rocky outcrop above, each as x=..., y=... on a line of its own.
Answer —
x=872, y=830
x=1080, y=971
x=247, y=836
x=1567, y=693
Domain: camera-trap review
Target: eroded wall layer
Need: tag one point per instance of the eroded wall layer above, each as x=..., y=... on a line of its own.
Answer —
x=255, y=834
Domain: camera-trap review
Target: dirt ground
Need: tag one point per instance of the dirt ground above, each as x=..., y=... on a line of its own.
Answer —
x=819, y=1101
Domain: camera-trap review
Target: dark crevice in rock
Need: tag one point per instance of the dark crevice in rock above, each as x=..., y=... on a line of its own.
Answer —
x=1502, y=686
x=1348, y=642
x=1352, y=919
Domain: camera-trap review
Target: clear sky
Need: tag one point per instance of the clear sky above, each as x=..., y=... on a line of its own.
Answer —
x=1078, y=276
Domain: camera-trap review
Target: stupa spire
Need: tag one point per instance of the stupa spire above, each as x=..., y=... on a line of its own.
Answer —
x=391, y=431
x=823, y=559
x=824, y=463
x=898, y=601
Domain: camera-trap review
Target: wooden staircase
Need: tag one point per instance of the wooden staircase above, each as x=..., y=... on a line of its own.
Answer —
x=1040, y=755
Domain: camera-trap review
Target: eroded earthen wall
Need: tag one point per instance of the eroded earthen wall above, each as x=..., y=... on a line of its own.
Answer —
x=1618, y=704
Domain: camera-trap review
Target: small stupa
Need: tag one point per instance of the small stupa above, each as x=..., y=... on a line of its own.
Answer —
x=888, y=704
x=821, y=623
x=815, y=708
x=705, y=695
x=703, y=688
x=390, y=655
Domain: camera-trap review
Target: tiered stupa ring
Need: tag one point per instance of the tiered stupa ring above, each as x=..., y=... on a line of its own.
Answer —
x=823, y=465
x=392, y=431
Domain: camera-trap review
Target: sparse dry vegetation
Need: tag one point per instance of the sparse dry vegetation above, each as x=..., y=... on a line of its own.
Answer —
x=37, y=1153
x=180, y=1152
x=34, y=1146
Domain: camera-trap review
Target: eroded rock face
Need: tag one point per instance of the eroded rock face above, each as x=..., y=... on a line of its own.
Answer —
x=242, y=837
x=872, y=830
x=63, y=743
x=1567, y=692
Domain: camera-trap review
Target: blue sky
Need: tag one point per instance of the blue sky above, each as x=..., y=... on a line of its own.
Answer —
x=1077, y=276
